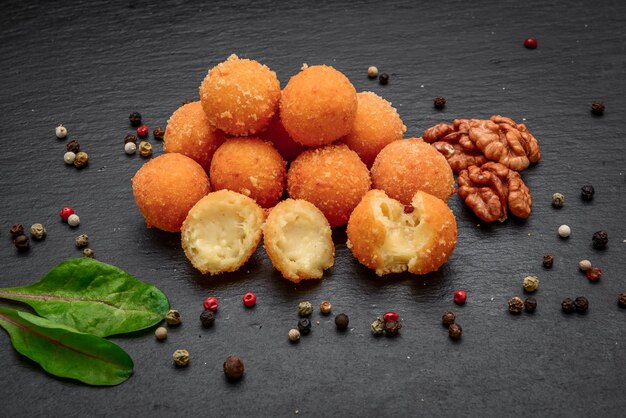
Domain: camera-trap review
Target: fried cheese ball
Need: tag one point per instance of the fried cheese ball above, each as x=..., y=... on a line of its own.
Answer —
x=167, y=187
x=298, y=240
x=390, y=237
x=222, y=231
x=250, y=166
x=333, y=178
x=284, y=144
x=189, y=133
x=318, y=105
x=405, y=166
x=240, y=96
x=377, y=123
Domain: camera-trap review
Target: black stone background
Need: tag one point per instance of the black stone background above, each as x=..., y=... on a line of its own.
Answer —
x=89, y=64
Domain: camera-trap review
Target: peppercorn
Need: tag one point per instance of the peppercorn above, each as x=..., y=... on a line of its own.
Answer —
x=22, y=243
x=73, y=220
x=160, y=333
x=305, y=309
x=158, y=133
x=181, y=357
x=60, y=131
x=207, y=318
x=392, y=328
x=584, y=265
x=568, y=305
x=448, y=318
x=383, y=78
x=294, y=335
x=37, y=231
x=89, y=253
x=145, y=149
x=548, y=261
x=597, y=108
x=530, y=43
x=304, y=326
x=16, y=230
x=460, y=297
x=325, y=307
x=211, y=303
x=135, y=119
x=408, y=209
x=558, y=200
x=130, y=138
x=390, y=316
x=81, y=160
x=69, y=158
x=82, y=241
x=587, y=192
x=233, y=368
x=621, y=299
x=594, y=274
x=142, y=131
x=530, y=304
x=582, y=304
x=378, y=326
x=249, y=299
x=516, y=305
x=455, y=331
x=65, y=213
x=530, y=283
x=130, y=148
x=564, y=231
x=600, y=239
x=439, y=102
x=372, y=72
x=73, y=146
x=342, y=321
x=173, y=317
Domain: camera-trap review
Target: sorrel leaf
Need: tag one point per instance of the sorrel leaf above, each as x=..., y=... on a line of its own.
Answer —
x=65, y=352
x=93, y=297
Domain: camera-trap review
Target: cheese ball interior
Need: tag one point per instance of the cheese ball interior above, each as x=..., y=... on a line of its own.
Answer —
x=166, y=188
x=222, y=231
x=389, y=237
x=189, y=133
x=240, y=96
x=405, y=166
x=298, y=240
x=318, y=105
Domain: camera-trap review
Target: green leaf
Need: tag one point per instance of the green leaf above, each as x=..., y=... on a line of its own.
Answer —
x=65, y=352
x=93, y=297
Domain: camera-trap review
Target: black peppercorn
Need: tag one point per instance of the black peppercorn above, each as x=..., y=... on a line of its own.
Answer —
x=233, y=368
x=600, y=239
x=621, y=299
x=135, y=118
x=530, y=304
x=581, y=304
x=597, y=108
x=448, y=318
x=130, y=138
x=440, y=102
x=22, y=243
x=342, y=321
x=17, y=230
x=73, y=146
x=516, y=305
x=568, y=305
x=383, y=78
x=548, y=261
x=587, y=192
x=304, y=326
x=207, y=318
x=158, y=133
x=392, y=328
x=454, y=331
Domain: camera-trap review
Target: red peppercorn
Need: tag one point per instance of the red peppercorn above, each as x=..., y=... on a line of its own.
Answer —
x=211, y=303
x=142, y=131
x=249, y=299
x=530, y=43
x=65, y=213
x=391, y=316
x=594, y=274
x=460, y=297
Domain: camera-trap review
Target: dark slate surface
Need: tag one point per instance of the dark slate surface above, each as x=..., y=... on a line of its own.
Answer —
x=89, y=65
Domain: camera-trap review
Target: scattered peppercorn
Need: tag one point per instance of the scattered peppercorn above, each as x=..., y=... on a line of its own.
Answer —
x=60, y=131
x=530, y=283
x=582, y=304
x=568, y=305
x=516, y=305
x=548, y=261
x=392, y=328
x=558, y=200
x=305, y=309
x=304, y=326
x=173, y=317
x=408, y=209
x=621, y=299
x=73, y=146
x=439, y=102
x=294, y=335
x=587, y=192
x=143, y=131
x=65, y=213
x=530, y=304
x=564, y=231
x=130, y=138
x=81, y=160
x=37, y=231
x=249, y=299
x=342, y=321
x=372, y=72
x=181, y=357
x=530, y=43
x=73, y=220
x=325, y=307
x=145, y=149
x=600, y=239
x=597, y=108
x=211, y=303
x=135, y=119
x=160, y=333
x=390, y=316
x=69, y=158
x=233, y=368
x=455, y=331
x=16, y=230
x=130, y=148
x=89, y=253
x=594, y=274
x=158, y=133
x=378, y=326
x=82, y=240
x=584, y=265
x=448, y=318
x=22, y=243
x=460, y=297
x=207, y=318
x=383, y=78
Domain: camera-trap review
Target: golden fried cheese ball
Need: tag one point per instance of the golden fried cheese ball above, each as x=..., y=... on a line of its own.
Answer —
x=298, y=240
x=250, y=166
x=167, y=187
x=318, y=105
x=240, y=96
x=389, y=237
x=377, y=123
x=189, y=133
x=333, y=178
x=284, y=144
x=222, y=231
x=405, y=166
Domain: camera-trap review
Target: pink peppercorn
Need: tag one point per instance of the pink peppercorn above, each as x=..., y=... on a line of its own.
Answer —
x=211, y=303
x=65, y=213
x=249, y=299
x=142, y=131
x=530, y=43
x=460, y=297
x=594, y=274
x=391, y=317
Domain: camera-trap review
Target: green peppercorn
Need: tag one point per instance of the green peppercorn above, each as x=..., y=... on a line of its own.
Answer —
x=530, y=283
x=73, y=146
x=448, y=318
x=392, y=328
x=89, y=253
x=516, y=305
x=342, y=321
x=82, y=241
x=305, y=309
x=530, y=304
x=581, y=304
x=16, y=230
x=455, y=331
x=207, y=318
x=173, y=317
x=558, y=200
x=233, y=368
x=568, y=305
x=145, y=149
x=37, y=231
x=181, y=357
x=22, y=243
x=158, y=133
x=378, y=326
x=82, y=158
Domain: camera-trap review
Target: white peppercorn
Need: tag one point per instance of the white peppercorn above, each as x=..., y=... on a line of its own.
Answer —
x=564, y=231
x=60, y=131
x=73, y=220
x=160, y=333
x=294, y=335
x=69, y=157
x=584, y=265
x=372, y=72
x=130, y=148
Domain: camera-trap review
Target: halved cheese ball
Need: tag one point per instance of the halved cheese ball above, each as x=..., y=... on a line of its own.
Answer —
x=298, y=240
x=389, y=237
x=222, y=231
